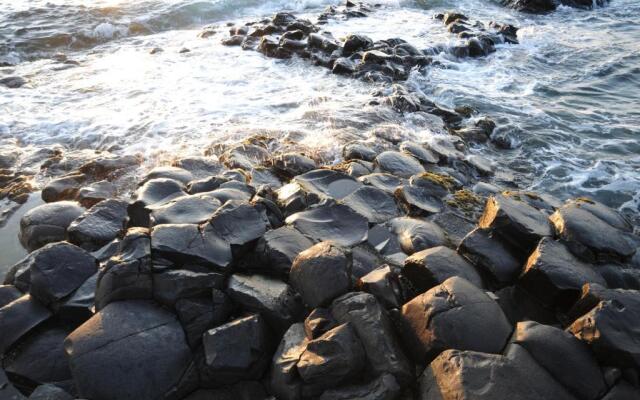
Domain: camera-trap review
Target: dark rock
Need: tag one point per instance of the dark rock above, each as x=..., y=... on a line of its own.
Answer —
x=277, y=249
x=109, y=166
x=385, y=283
x=353, y=43
x=200, y=314
x=532, y=6
x=239, y=223
x=328, y=183
x=608, y=215
x=386, y=243
x=428, y=268
x=455, y=226
x=610, y=327
x=58, y=269
x=124, y=331
x=190, y=244
x=245, y=156
x=235, y=40
x=246, y=390
x=88, y=196
x=19, y=317
x=516, y=221
x=590, y=237
x=159, y=191
x=618, y=277
x=8, y=293
x=622, y=391
x=199, y=167
x=418, y=201
x=343, y=66
x=63, y=188
x=173, y=285
x=205, y=184
x=455, y=315
x=384, y=387
x=47, y=223
x=98, y=225
x=262, y=176
x=238, y=350
x=175, y=173
x=50, y=392
x=332, y=358
x=416, y=235
x=284, y=380
x=78, y=307
x=13, y=82
x=292, y=164
x=40, y=357
x=372, y=203
x=321, y=273
x=192, y=209
x=358, y=151
x=229, y=194
x=272, y=298
x=318, y=322
x=333, y=222
x=567, y=359
x=518, y=305
x=419, y=152
x=399, y=164
x=480, y=376
x=321, y=42
x=374, y=328
x=387, y=182
x=555, y=276
x=490, y=254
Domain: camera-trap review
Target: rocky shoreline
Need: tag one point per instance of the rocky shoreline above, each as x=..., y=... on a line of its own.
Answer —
x=402, y=270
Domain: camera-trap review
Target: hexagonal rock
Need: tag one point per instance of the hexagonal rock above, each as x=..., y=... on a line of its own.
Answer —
x=385, y=283
x=397, y=163
x=321, y=273
x=292, y=164
x=159, y=191
x=47, y=223
x=416, y=234
x=611, y=327
x=272, y=298
x=19, y=317
x=192, y=209
x=98, y=225
x=238, y=350
x=190, y=244
x=387, y=182
x=285, y=381
x=491, y=254
x=328, y=183
x=375, y=330
x=428, y=268
x=566, y=358
x=516, y=221
x=88, y=196
x=455, y=315
x=332, y=358
x=172, y=285
x=239, y=223
x=334, y=222
x=245, y=156
x=167, y=172
x=372, y=203
x=58, y=269
x=590, y=237
x=136, y=348
x=200, y=314
x=556, y=276
x=471, y=375
x=277, y=249
x=418, y=201
x=384, y=387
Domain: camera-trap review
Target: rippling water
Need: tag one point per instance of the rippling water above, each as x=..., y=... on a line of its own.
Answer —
x=567, y=96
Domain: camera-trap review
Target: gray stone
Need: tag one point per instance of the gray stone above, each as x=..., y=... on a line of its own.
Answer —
x=8, y=293
x=428, y=268
x=285, y=381
x=318, y=322
x=172, y=285
x=372, y=203
x=88, y=196
x=292, y=164
x=193, y=209
x=416, y=234
x=277, y=249
x=327, y=183
x=47, y=223
x=49, y=392
x=239, y=223
x=206, y=184
x=98, y=225
x=175, y=173
x=419, y=152
x=63, y=188
x=397, y=163
x=333, y=222
x=200, y=314
x=387, y=182
x=19, y=317
x=384, y=387
x=418, y=201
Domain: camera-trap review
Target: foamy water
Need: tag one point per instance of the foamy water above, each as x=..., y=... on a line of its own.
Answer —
x=567, y=95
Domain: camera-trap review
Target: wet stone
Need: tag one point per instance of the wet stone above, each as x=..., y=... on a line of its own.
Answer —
x=123, y=331
x=64, y=188
x=321, y=273
x=385, y=242
x=49, y=392
x=372, y=203
x=455, y=226
x=455, y=315
x=172, y=285
x=19, y=317
x=159, y=191
x=88, y=196
x=385, y=283
x=272, y=298
x=262, y=176
x=418, y=201
x=98, y=225
x=192, y=209
x=419, y=152
x=398, y=164
x=334, y=222
x=428, y=268
x=199, y=167
x=47, y=223
x=229, y=194
x=245, y=156
x=239, y=223
x=174, y=173
x=78, y=307
x=327, y=183
x=291, y=164
x=416, y=235
x=318, y=322
x=13, y=82
x=205, y=184
x=354, y=43
x=387, y=182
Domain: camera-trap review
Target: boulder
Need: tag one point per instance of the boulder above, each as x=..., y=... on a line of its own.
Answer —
x=387, y=182
x=397, y=163
x=89, y=196
x=415, y=234
x=192, y=209
x=454, y=315
x=205, y=184
x=172, y=285
x=418, y=201
x=555, y=275
x=58, y=269
x=47, y=223
x=285, y=381
x=239, y=223
x=353, y=43
x=272, y=298
x=568, y=360
x=492, y=255
x=327, y=183
x=358, y=151
x=384, y=387
x=590, y=237
x=182, y=244
x=428, y=268
x=332, y=358
x=19, y=317
x=321, y=273
x=7, y=390
x=292, y=164
x=455, y=226
x=318, y=322
x=159, y=191
x=387, y=285
x=277, y=249
x=375, y=330
x=516, y=221
x=245, y=156
x=372, y=203
x=261, y=176
x=419, y=152
x=240, y=349
x=334, y=222
x=78, y=307
x=137, y=349
x=386, y=243
x=199, y=167
x=98, y=225
x=63, y=188
x=199, y=314
x=532, y=6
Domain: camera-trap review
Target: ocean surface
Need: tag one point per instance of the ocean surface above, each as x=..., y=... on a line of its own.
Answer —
x=566, y=97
